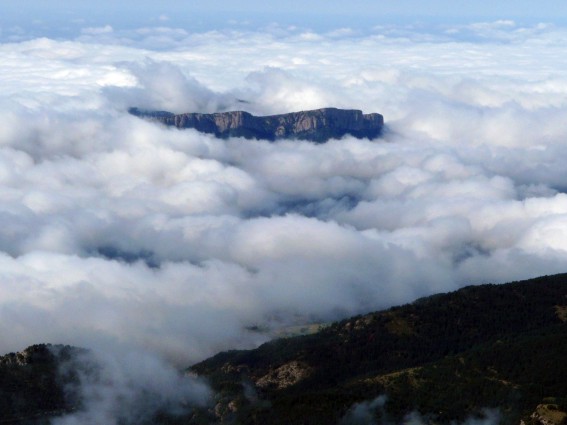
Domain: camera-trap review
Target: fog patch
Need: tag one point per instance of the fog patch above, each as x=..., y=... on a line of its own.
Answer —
x=374, y=412
x=366, y=412
x=128, y=387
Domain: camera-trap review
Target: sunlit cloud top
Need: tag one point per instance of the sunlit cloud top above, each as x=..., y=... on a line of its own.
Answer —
x=177, y=243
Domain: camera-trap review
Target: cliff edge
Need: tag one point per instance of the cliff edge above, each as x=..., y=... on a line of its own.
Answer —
x=318, y=125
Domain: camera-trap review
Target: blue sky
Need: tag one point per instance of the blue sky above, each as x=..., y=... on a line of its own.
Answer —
x=64, y=17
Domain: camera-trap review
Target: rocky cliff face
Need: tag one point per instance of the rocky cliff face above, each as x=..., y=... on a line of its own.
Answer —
x=318, y=125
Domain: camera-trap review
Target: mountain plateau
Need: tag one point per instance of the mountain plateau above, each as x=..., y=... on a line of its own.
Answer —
x=317, y=125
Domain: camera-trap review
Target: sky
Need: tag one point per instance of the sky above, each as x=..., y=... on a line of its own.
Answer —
x=64, y=18
x=158, y=247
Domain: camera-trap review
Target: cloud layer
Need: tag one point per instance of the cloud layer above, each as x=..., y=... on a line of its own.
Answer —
x=118, y=232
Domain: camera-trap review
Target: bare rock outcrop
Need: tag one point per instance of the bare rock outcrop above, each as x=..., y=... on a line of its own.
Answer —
x=548, y=414
x=318, y=125
x=284, y=376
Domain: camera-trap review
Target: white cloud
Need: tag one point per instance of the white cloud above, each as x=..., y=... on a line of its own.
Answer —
x=119, y=231
x=128, y=388
x=97, y=30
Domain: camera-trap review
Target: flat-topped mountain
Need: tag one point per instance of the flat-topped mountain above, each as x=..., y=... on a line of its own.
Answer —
x=318, y=125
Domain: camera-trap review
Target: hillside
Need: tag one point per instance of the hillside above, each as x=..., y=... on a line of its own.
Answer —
x=447, y=357
x=491, y=350
x=31, y=387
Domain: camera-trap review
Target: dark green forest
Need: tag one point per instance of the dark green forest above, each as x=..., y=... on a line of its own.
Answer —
x=446, y=358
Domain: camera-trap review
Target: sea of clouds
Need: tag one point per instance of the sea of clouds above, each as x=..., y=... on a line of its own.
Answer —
x=117, y=232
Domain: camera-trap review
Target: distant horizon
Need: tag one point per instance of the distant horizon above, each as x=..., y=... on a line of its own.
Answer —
x=66, y=18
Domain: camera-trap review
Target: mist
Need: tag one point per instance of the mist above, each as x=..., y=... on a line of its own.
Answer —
x=129, y=388
x=373, y=412
x=120, y=234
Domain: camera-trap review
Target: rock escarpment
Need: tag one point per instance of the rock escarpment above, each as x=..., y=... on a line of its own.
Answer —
x=318, y=125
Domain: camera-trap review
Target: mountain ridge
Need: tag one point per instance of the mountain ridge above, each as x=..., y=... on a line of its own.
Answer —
x=447, y=357
x=443, y=359
x=318, y=125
